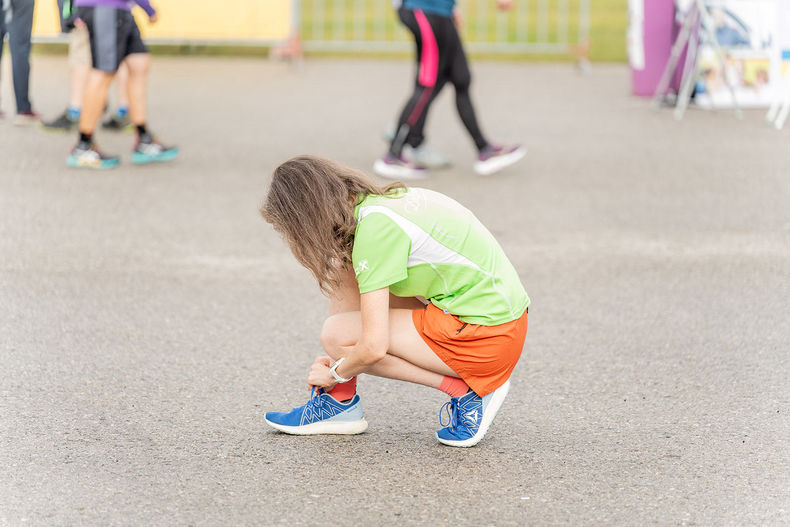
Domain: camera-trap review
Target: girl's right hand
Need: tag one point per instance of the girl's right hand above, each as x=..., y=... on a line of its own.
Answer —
x=319, y=375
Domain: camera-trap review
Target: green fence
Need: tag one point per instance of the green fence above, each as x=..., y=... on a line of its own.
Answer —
x=554, y=27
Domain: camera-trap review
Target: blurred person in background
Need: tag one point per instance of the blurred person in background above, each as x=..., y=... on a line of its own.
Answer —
x=79, y=67
x=115, y=39
x=16, y=19
x=440, y=59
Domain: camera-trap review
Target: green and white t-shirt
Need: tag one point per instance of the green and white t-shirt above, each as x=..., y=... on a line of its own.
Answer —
x=421, y=243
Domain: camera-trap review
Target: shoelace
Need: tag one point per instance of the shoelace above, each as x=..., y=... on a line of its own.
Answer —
x=455, y=415
x=316, y=400
x=450, y=408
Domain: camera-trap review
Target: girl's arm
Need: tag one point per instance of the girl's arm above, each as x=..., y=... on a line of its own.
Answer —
x=372, y=345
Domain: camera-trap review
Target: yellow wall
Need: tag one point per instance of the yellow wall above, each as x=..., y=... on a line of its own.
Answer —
x=180, y=20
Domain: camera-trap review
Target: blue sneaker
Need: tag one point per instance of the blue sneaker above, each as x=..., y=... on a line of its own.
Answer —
x=470, y=417
x=322, y=414
x=149, y=150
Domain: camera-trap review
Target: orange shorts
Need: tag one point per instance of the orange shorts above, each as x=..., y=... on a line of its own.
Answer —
x=483, y=356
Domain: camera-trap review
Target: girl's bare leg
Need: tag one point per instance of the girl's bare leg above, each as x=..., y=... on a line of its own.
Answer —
x=408, y=358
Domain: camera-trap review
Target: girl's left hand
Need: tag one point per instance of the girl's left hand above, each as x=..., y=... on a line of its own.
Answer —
x=319, y=374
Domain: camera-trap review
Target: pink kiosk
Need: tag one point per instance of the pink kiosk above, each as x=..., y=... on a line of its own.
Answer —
x=651, y=32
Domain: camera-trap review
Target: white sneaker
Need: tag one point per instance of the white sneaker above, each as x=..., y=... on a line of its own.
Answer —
x=393, y=168
x=27, y=118
x=426, y=156
x=495, y=158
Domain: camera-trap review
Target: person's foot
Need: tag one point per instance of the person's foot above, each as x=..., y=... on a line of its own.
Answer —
x=426, y=156
x=26, y=118
x=494, y=158
x=149, y=150
x=470, y=417
x=86, y=155
x=398, y=168
x=117, y=123
x=322, y=414
x=62, y=124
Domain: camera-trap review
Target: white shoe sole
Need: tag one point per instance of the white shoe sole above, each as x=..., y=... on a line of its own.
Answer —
x=388, y=171
x=325, y=427
x=488, y=417
x=495, y=164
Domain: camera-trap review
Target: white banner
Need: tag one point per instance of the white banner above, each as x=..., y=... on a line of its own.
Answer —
x=747, y=32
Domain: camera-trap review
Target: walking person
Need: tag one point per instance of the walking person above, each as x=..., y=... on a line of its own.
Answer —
x=115, y=39
x=16, y=20
x=440, y=59
x=79, y=66
x=420, y=291
x=79, y=58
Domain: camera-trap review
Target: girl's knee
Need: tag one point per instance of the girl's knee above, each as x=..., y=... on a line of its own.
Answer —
x=332, y=335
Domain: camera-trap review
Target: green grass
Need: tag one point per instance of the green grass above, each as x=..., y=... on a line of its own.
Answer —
x=608, y=23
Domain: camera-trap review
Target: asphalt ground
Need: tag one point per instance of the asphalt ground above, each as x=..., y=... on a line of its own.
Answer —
x=148, y=316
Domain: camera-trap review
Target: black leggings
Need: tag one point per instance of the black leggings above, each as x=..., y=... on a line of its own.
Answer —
x=440, y=58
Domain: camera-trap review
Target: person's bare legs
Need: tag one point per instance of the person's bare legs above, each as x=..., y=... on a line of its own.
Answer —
x=94, y=99
x=122, y=85
x=78, y=78
x=85, y=154
x=408, y=358
x=79, y=63
x=79, y=69
x=138, y=65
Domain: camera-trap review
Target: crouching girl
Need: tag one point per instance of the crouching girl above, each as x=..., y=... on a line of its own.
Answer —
x=419, y=291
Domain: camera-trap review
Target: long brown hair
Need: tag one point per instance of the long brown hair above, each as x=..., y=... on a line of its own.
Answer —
x=311, y=203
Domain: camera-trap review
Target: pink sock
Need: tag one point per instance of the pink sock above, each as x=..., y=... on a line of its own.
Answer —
x=453, y=386
x=345, y=390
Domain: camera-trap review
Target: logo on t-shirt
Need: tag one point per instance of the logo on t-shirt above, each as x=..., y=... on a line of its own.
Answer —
x=361, y=267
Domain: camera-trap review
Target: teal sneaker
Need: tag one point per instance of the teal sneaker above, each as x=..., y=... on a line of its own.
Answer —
x=86, y=155
x=322, y=414
x=469, y=417
x=149, y=150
